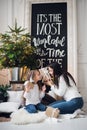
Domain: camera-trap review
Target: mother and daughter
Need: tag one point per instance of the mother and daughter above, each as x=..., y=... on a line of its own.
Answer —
x=61, y=84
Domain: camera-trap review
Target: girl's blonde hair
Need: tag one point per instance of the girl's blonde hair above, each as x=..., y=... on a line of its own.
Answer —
x=32, y=74
x=28, y=83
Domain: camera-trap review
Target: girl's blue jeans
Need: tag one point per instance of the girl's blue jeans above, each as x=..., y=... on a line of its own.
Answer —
x=31, y=108
x=68, y=107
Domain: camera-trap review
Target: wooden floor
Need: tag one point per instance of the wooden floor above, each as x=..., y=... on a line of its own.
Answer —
x=3, y=119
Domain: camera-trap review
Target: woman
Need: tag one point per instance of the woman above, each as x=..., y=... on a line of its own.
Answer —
x=34, y=94
x=63, y=85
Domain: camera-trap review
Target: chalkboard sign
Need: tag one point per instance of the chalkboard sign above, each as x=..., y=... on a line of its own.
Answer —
x=49, y=32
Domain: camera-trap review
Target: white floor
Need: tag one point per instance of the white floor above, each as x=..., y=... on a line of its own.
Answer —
x=69, y=124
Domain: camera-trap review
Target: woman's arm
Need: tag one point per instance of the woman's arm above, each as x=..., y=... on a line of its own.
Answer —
x=58, y=90
x=61, y=89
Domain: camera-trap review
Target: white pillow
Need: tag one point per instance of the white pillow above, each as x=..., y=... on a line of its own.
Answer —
x=15, y=96
x=9, y=107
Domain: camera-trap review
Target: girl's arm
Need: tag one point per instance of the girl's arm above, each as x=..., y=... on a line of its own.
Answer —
x=58, y=90
x=42, y=92
x=26, y=94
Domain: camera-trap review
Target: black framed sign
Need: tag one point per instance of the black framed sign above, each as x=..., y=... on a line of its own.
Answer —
x=65, y=13
x=49, y=32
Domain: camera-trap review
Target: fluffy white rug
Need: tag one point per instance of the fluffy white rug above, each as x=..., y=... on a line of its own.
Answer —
x=22, y=117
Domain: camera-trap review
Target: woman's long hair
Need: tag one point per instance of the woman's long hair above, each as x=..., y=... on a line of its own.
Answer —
x=58, y=71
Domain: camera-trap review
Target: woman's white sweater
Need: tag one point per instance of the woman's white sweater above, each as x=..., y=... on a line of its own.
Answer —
x=65, y=91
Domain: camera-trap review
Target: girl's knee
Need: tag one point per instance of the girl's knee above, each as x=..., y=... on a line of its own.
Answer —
x=31, y=108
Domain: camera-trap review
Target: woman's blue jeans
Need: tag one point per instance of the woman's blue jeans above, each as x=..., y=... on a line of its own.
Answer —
x=68, y=107
x=34, y=108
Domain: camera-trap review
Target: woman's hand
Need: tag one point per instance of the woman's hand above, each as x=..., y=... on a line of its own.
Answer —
x=49, y=82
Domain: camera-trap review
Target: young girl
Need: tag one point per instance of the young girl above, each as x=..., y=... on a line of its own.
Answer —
x=33, y=94
x=64, y=86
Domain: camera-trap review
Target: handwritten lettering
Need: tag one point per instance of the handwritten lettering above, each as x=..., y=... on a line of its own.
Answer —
x=49, y=18
x=55, y=53
x=49, y=28
x=42, y=61
x=49, y=34
x=49, y=41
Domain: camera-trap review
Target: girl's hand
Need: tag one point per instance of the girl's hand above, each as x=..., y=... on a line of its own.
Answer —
x=43, y=88
x=27, y=88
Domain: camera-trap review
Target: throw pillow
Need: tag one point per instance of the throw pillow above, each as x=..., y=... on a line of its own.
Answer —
x=9, y=106
x=15, y=96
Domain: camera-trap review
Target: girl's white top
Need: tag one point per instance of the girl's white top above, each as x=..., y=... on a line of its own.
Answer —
x=34, y=96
